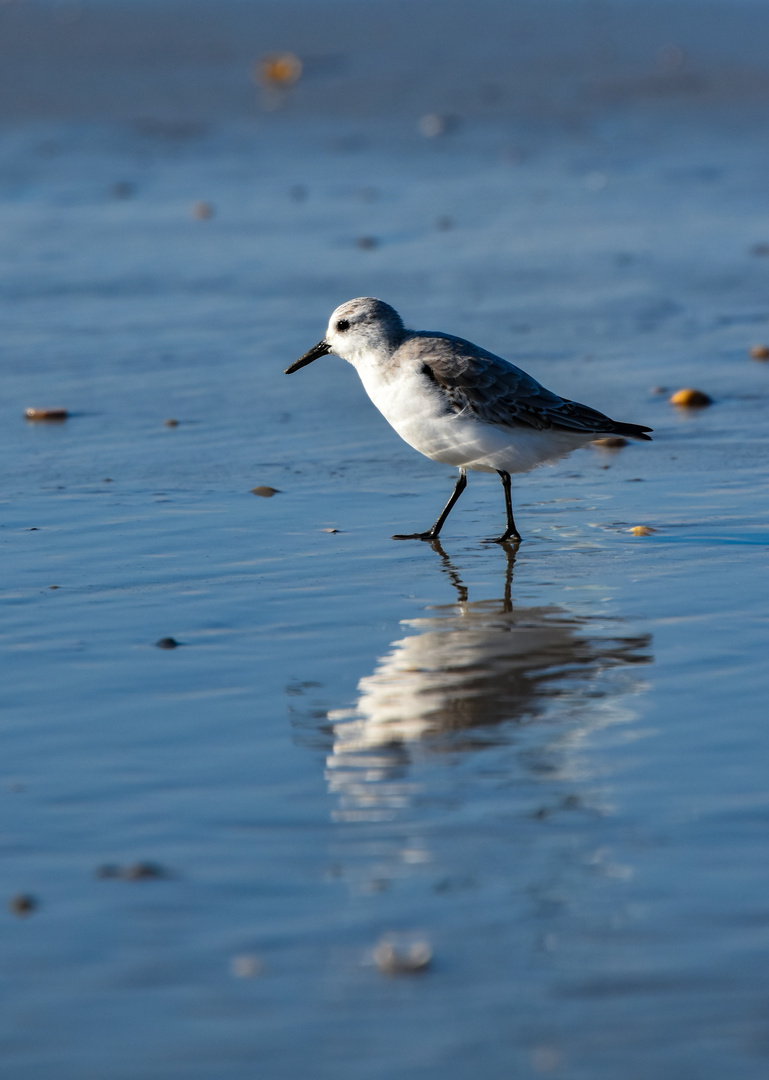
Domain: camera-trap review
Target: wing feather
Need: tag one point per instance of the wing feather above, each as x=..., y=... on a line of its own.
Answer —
x=498, y=392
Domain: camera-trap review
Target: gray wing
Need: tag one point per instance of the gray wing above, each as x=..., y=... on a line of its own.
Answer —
x=498, y=392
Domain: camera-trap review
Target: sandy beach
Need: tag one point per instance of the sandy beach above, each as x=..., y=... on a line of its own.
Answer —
x=282, y=796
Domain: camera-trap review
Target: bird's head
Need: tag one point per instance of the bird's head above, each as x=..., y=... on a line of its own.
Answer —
x=357, y=327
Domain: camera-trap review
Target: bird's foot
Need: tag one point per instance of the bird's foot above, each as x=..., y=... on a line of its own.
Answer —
x=513, y=538
x=429, y=535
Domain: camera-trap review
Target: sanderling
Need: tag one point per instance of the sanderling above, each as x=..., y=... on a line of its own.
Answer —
x=457, y=403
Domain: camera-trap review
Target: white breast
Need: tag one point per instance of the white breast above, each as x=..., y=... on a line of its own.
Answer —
x=417, y=409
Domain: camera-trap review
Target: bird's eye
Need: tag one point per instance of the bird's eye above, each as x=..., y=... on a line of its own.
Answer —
x=342, y=325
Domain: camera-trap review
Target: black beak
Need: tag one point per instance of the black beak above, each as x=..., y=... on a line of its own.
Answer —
x=317, y=350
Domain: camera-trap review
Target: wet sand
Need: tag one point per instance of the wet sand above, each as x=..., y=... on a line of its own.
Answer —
x=546, y=767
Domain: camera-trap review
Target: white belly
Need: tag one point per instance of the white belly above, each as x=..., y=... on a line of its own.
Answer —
x=417, y=411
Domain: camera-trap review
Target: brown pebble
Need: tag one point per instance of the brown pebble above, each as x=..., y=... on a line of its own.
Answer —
x=611, y=442
x=690, y=399
x=22, y=904
x=392, y=959
x=170, y=422
x=202, y=210
x=167, y=643
x=366, y=243
x=278, y=69
x=141, y=871
x=759, y=352
x=265, y=492
x=642, y=530
x=55, y=415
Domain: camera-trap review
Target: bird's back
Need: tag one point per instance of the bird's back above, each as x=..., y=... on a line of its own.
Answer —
x=496, y=391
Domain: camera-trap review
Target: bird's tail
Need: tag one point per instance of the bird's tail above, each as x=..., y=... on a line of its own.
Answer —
x=633, y=431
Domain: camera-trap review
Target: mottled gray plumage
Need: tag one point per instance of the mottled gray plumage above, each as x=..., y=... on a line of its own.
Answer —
x=498, y=392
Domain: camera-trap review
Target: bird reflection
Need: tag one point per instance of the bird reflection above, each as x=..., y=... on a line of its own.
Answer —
x=469, y=675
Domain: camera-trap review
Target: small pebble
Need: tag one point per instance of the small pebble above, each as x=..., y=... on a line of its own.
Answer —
x=330, y=530
x=376, y=885
x=611, y=442
x=690, y=399
x=171, y=422
x=246, y=966
x=55, y=415
x=760, y=352
x=444, y=223
x=265, y=491
x=431, y=125
x=202, y=210
x=123, y=189
x=140, y=871
x=366, y=243
x=167, y=643
x=642, y=530
x=392, y=959
x=278, y=69
x=22, y=904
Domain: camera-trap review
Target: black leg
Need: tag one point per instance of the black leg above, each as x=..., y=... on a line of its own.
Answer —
x=432, y=534
x=510, y=533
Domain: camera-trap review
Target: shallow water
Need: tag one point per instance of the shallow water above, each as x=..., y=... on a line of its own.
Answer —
x=548, y=765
